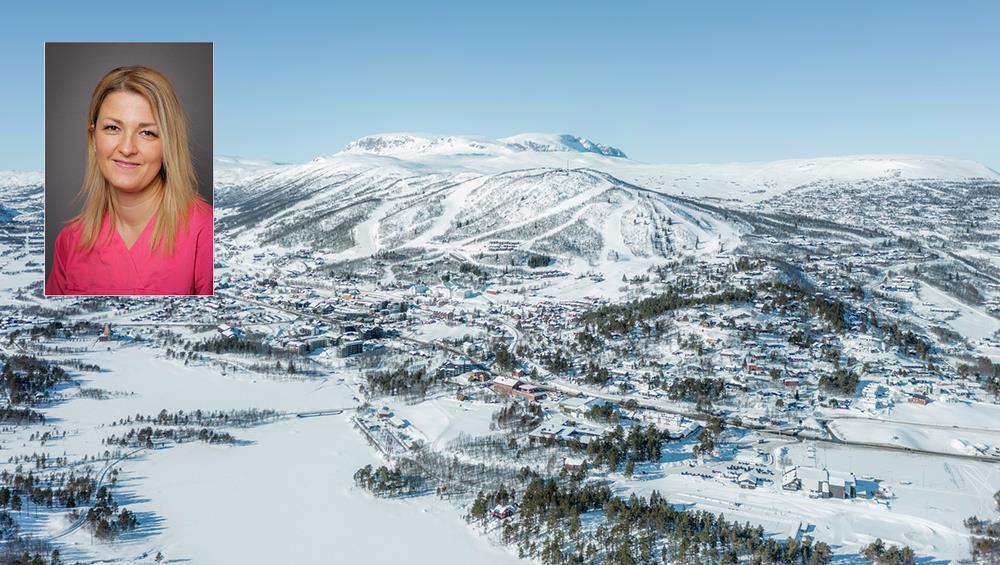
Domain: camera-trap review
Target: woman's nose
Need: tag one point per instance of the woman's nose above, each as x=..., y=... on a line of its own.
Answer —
x=127, y=145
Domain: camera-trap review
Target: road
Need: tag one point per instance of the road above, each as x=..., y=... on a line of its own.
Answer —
x=78, y=523
x=770, y=430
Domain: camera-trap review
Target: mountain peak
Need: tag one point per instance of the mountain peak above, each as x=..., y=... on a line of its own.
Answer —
x=560, y=142
x=414, y=144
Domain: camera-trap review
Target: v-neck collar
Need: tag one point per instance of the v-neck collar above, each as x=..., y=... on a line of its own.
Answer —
x=142, y=236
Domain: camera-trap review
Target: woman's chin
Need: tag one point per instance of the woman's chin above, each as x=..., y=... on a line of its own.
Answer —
x=130, y=187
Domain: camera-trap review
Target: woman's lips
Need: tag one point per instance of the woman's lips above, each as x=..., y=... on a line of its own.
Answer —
x=125, y=164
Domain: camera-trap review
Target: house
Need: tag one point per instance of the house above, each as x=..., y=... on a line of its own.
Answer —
x=579, y=406
x=746, y=480
x=814, y=480
x=502, y=511
x=565, y=430
x=843, y=486
x=514, y=387
x=529, y=392
x=921, y=399
x=572, y=464
x=504, y=385
x=676, y=426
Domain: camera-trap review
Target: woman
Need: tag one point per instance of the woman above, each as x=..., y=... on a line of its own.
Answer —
x=143, y=229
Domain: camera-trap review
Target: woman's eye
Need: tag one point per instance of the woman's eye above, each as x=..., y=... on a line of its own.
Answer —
x=110, y=127
x=147, y=133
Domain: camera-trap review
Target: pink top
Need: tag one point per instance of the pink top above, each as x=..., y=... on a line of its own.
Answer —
x=111, y=268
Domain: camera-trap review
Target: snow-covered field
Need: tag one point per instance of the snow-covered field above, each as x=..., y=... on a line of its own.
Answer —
x=917, y=436
x=972, y=323
x=285, y=495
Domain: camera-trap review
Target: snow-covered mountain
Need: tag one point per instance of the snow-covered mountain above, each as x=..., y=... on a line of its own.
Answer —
x=560, y=195
x=20, y=193
x=545, y=194
x=411, y=145
x=564, y=196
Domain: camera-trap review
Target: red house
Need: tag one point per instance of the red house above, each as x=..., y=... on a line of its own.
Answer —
x=501, y=511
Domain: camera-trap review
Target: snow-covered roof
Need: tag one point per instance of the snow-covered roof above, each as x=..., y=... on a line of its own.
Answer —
x=506, y=381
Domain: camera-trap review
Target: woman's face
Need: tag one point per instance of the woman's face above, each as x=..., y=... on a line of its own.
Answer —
x=127, y=142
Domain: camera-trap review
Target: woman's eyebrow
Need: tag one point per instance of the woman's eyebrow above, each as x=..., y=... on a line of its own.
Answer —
x=117, y=121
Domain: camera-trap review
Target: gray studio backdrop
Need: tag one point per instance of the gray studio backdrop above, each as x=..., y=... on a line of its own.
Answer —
x=72, y=70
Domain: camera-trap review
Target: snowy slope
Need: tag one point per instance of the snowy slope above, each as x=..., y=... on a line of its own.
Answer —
x=753, y=182
x=561, y=195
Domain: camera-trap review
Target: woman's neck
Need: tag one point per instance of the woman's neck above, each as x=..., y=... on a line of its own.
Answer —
x=134, y=209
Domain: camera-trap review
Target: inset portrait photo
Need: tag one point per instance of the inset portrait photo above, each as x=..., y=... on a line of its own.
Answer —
x=128, y=169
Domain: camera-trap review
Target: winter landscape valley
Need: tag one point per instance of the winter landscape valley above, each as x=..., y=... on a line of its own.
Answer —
x=454, y=349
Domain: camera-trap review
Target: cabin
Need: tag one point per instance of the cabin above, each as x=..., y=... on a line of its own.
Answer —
x=502, y=511
x=573, y=464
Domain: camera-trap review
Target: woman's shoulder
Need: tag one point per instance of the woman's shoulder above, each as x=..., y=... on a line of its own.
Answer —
x=200, y=213
x=70, y=234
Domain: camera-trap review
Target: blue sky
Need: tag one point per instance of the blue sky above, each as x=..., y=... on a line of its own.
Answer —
x=666, y=82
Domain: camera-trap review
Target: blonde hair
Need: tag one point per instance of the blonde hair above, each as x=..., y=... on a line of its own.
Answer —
x=176, y=173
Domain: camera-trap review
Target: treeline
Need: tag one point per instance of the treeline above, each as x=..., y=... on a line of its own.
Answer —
x=401, y=382
x=16, y=549
x=389, y=482
x=220, y=344
x=27, y=378
x=605, y=414
x=905, y=340
x=557, y=362
x=621, y=318
x=12, y=415
x=695, y=390
x=830, y=310
x=637, y=530
x=503, y=358
x=709, y=437
x=145, y=437
x=535, y=261
x=517, y=416
x=878, y=552
x=470, y=268
x=483, y=503
x=985, y=541
x=545, y=501
x=595, y=374
x=985, y=371
x=60, y=490
x=216, y=418
x=80, y=365
x=616, y=448
x=586, y=341
x=841, y=380
x=106, y=520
